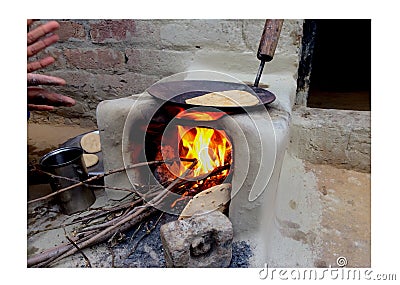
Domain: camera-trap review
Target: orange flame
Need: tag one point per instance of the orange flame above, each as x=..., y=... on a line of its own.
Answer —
x=200, y=116
x=209, y=146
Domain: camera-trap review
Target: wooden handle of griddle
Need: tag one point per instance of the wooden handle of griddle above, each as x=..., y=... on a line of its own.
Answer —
x=269, y=39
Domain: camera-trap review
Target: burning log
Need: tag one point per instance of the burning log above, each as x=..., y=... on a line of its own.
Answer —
x=190, y=188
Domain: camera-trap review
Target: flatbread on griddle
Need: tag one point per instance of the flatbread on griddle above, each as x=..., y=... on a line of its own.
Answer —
x=91, y=143
x=90, y=159
x=229, y=98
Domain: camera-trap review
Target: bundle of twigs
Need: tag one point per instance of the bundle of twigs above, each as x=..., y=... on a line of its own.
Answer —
x=105, y=223
x=129, y=214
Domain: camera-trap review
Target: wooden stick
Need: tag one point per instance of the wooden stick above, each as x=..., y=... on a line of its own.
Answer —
x=105, y=234
x=140, y=164
x=215, y=171
x=126, y=222
x=148, y=231
x=79, y=250
x=105, y=224
x=60, y=252
x=52, y=253
x=156, y=200
x=87, y=184
x=112, y=255
x=105, y=211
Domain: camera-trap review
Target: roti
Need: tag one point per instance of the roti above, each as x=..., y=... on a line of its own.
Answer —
x=90, y=159
x=91, y=143
x=214, y=198
x=229, y=98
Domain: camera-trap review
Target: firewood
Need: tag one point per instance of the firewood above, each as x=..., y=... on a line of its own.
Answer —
x=133, y=217
x=99, y=176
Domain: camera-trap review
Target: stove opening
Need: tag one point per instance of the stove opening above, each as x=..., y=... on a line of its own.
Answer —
x=183, y=141
x=209, y=146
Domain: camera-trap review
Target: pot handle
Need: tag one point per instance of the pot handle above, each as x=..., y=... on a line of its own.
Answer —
x=269, y=40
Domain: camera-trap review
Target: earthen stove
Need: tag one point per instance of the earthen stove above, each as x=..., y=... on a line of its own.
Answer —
x=248, y=145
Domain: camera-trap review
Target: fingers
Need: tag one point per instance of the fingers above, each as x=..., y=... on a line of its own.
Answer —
x=32, y=107
x=41, y=30
x=35, y=43
x=41, y=79
x=36, y=65
x=41, y=97
x=42, y=44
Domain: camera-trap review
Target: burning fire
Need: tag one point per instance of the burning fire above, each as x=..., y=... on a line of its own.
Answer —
x=200, y=116
x=210, y=147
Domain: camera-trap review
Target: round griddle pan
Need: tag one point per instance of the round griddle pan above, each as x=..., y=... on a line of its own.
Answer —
x=177, y=92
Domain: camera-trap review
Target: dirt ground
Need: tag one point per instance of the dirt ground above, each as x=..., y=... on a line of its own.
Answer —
x=345, y=199
x=43, y=138
x=346, y=215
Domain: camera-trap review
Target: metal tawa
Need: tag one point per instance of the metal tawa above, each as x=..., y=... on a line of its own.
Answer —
x=177, y=92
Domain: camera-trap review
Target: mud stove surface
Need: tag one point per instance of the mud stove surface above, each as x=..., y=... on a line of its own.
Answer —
x=258, y=139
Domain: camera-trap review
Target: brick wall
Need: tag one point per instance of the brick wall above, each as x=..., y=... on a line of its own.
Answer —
x=106, y=59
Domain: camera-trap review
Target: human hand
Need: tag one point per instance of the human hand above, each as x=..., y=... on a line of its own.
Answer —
x=39, y=98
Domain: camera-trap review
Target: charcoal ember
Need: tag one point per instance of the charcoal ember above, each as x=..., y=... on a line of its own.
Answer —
x=162, y=174
x=200, y=241
x=212, y=181
x=165, y=172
